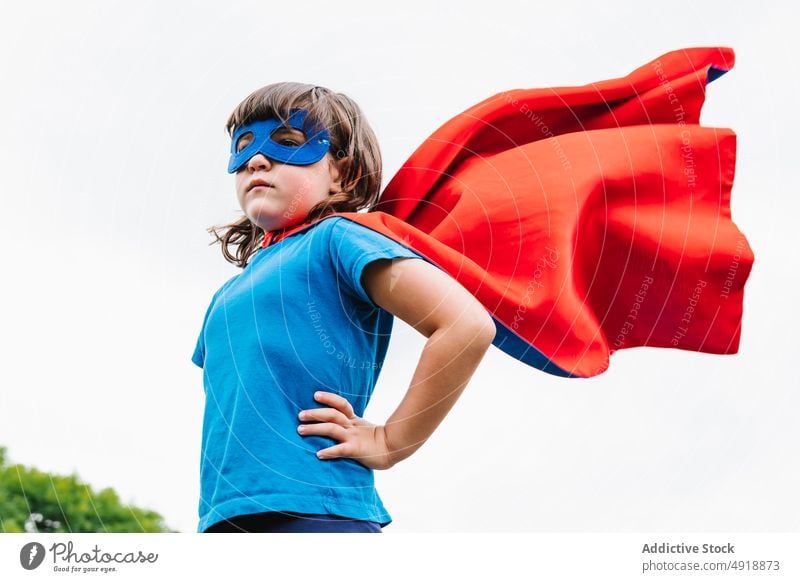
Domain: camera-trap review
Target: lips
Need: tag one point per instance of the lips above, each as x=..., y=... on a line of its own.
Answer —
x=263, y=183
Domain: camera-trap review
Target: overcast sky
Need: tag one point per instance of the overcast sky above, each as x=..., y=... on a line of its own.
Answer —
x=113, y=163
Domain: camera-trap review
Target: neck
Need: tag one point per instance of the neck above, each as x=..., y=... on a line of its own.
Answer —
x=273, y=236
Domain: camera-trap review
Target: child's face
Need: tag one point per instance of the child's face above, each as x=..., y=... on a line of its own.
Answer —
x=292, y=191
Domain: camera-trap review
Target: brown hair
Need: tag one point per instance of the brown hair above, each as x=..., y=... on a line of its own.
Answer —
x=354, y=149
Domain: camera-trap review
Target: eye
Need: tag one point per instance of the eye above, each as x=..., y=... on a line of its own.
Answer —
x=288, y=136
x=244, y=140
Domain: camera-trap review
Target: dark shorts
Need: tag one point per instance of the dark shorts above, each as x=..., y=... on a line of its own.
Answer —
x=291, y=522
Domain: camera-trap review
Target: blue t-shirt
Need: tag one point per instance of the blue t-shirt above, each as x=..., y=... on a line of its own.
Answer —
x=294, y=321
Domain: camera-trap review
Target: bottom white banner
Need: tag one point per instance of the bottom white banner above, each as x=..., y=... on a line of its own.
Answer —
x=535, y=556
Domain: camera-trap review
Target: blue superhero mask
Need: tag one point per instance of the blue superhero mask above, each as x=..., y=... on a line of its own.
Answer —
x=259, y=133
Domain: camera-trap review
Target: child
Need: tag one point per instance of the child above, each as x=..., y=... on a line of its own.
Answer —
x=585, y=220
x=291, y=348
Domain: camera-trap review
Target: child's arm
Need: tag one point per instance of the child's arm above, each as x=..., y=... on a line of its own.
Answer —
x=459, y=331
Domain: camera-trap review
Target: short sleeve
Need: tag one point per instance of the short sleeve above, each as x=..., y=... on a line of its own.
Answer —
x=353, y=247
x=199, y=355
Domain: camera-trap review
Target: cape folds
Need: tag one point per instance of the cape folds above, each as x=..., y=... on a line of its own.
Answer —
x=585, y=219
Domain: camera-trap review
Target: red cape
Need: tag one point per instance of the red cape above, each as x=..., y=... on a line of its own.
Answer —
x=585, y=219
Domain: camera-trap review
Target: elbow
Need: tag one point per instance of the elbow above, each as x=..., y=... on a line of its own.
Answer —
x=488, y=329
x=482, y=330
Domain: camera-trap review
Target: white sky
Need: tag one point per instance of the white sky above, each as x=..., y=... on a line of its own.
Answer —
x=113, y=163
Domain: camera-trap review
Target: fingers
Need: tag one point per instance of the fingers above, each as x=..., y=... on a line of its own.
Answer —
x=336, y=401
x=324, y=415
x=345, y=450
x=332, y=422
x=328, y=429
x=336, y=452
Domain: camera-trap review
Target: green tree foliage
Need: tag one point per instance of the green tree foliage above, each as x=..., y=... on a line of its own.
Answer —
x=35, y=501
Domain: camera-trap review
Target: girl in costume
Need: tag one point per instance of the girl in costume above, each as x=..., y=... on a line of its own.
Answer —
x=292, y=346
x=583, y=219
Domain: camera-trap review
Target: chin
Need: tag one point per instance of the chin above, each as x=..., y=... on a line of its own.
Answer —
x=267, y=225
x=266, y=218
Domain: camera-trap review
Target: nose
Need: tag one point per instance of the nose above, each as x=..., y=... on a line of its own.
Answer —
x=259, y=162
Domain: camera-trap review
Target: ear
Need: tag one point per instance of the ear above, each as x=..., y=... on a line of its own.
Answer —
x=335, y=167
x=335, y=170
x=354, y=181
x=351, y=184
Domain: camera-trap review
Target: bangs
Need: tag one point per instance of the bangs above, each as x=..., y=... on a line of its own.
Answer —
x=278, y=101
